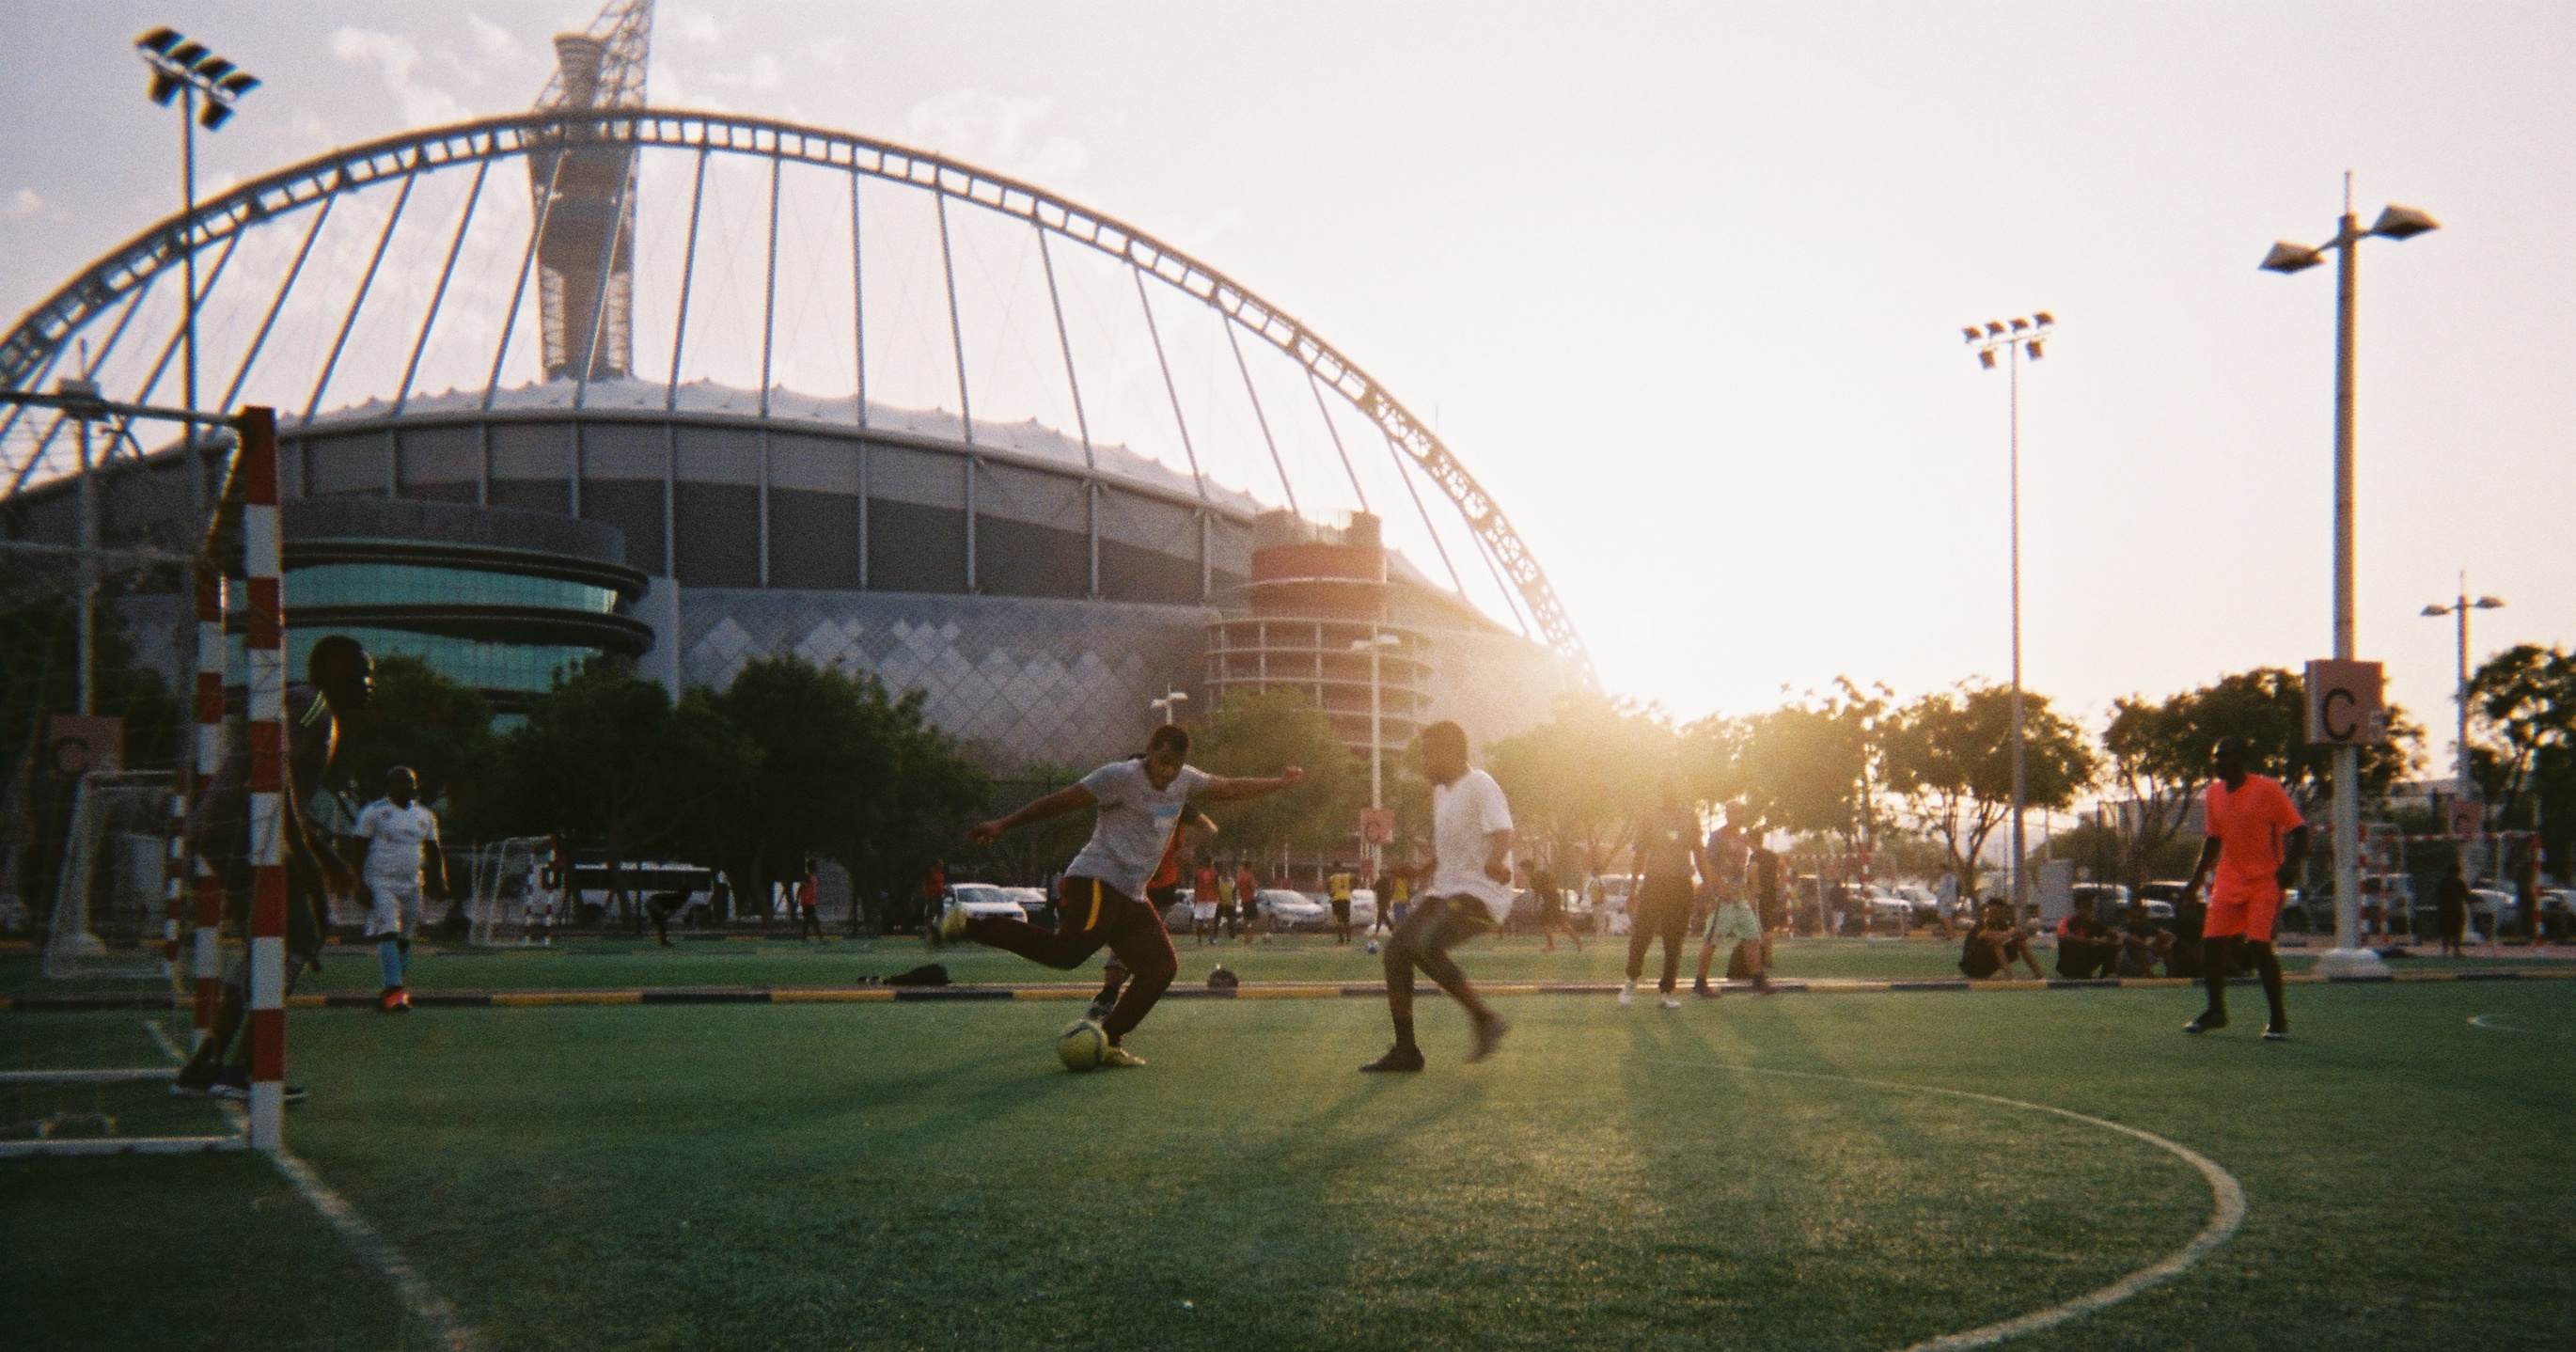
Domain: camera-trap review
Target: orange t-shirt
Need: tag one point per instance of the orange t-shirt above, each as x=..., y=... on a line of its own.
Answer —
x=2248, y=824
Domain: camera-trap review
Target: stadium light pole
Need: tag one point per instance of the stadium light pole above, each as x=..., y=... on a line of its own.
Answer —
x=185, y=69
x=2461, y=607
x=2021, y=335
x=2399, y=223
x=1169, y=703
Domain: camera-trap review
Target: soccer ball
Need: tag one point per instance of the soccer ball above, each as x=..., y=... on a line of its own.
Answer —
x=1082, y=1046
x=1372, y=948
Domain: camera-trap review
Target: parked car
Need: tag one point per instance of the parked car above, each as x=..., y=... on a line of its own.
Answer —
x=1288, y=911
x=1034, y=904
x=1927, y=906
x=986, y=901
x=1363, y=908
x=2108, y=901
x=1886, y=909
x=2492, y=908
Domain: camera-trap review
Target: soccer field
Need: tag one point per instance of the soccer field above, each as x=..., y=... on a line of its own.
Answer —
x=1806, y=1171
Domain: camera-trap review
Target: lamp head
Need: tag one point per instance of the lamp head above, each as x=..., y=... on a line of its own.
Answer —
x=2043, y=318
x=2396, y=222
x=1971, y=333
x=1986, y=357
x=2287, y=258
x=2035, y=348
x=2436, y=612
x=2489, y=603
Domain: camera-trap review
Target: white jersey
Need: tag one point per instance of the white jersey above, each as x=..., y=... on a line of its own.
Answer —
x=1136, y=821
x=1463, y=815
x=395, y=839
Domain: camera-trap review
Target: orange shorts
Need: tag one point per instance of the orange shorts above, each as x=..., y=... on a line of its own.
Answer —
x=2242, y=918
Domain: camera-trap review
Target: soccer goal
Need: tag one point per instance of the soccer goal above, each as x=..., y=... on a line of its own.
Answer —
x=502, y=878
x=108, y=767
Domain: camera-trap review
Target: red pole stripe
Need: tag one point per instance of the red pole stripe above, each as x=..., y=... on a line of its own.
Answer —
x=268, y=1044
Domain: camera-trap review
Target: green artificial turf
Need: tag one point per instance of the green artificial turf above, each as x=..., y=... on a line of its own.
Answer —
x=924, y=1175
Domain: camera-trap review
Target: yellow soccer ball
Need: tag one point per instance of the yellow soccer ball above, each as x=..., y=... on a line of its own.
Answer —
x=1082, y=1046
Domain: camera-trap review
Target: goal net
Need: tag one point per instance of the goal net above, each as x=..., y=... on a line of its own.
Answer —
x=503, y=878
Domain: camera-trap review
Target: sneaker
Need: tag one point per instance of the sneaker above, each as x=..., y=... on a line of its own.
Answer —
x=402, y=1001
x=1670, y=1002
x=1627, y=994
x=392, y=1001
x=1489, y=1035
x=1099, y=1010
x=1398, y=1060
x=2273, y=1032
x=1704, y=990
x=2206, y=1023
x=1119, y=1058
x=195, y=1089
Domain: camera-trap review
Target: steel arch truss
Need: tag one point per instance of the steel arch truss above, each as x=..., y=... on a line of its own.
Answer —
x=39, y=335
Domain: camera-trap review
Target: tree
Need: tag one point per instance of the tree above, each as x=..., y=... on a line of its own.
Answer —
x=1949, y=755
x=441, y=728
x=1813, y=766
x=2524, y=702
x=841, y=771
x=1257, y=734
x=608, y=759
x=1581, y=781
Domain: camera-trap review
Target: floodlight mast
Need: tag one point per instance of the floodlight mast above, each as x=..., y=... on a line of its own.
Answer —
x=2024, y=335
x=2347, y=957
x=187, y=69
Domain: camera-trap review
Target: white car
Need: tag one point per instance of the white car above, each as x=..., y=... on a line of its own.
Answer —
x=1363, y=909
x=1927, y=907
x=1885, y=907
x=1287, y=910
x=987, y=902
x=1033, y=904
x=2491, y=907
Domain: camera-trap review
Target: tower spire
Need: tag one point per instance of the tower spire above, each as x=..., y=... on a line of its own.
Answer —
x=584, y=191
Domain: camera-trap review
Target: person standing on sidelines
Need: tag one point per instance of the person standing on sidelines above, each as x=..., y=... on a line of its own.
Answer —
x=1551, y=908
x=1339, y=887
x=1139, y=805
x=402, y=855
x=2256, y=840
x=1203, y=904
x=1667, y=850
x=2451, y=909
x=1469, y=893
x=1247, y=896
x=809, y=905
x=1732, y=919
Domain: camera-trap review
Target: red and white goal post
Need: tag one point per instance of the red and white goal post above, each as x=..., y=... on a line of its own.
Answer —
x=233, y=579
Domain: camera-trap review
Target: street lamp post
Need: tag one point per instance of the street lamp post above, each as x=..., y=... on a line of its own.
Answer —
x=2395, y=222
x=2013, y=338
x=2461, y=607
x=1169, y=703
x=185, y=69
x=1376, y=643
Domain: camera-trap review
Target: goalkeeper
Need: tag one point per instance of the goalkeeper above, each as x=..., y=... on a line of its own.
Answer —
x=339, y=678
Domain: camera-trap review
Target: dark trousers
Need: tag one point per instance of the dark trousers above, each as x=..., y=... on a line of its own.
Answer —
x=809, y=922
x=2084, y=959
x=1093, y=913
x=1663, y=912
x=1422, y=941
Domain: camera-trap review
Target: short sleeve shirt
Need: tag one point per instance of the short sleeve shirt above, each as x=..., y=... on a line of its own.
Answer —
x=395, y=837
x=1664, y=844
x=1463, y=815
x=1135, y=822
x=2248, y=824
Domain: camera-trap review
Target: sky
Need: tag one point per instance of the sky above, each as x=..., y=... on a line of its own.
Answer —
x=1682, y=284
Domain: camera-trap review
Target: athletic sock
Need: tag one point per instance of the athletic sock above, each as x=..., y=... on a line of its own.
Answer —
x=1404, y=1033
x=389, y=957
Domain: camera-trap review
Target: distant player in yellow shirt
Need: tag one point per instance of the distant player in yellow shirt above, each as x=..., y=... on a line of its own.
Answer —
x=1339, y=886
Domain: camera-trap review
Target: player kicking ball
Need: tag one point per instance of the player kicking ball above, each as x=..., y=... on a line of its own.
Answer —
x=402, y=855
x=1470, y=892
x=1140, y=802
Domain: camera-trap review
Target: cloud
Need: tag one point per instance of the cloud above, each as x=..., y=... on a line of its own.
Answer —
x=26, y=204
x=396, y=60
x=492, y=42
x=999, y=132
x=695, y=25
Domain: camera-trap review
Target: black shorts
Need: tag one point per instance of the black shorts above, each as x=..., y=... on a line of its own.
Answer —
x=1434, y=924
x=1341, y=911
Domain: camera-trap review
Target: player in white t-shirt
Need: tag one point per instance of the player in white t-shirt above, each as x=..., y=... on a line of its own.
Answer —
x=1140, y=801
x=402, y=855
x=1469, y=892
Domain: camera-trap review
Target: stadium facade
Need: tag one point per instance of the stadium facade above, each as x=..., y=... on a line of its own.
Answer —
x=1041, y=582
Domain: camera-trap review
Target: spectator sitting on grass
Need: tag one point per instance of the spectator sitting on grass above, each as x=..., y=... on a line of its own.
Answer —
x=1995, y=944
x=2085, y=949
x=2142, y=944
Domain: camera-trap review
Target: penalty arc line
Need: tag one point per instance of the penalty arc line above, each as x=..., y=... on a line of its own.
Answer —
x=2226, y=1214
x=2481, y=1021
x=427, y=1305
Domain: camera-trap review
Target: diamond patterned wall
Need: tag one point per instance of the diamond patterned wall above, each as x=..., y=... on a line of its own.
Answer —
x=1019, y=680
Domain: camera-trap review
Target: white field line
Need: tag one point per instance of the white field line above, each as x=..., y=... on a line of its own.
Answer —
x=2226, y=1213
x=2487, y=1021
x=370, y=1244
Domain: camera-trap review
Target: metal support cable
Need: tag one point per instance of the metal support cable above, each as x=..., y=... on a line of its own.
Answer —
x=438, y=295
x=359, y=301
